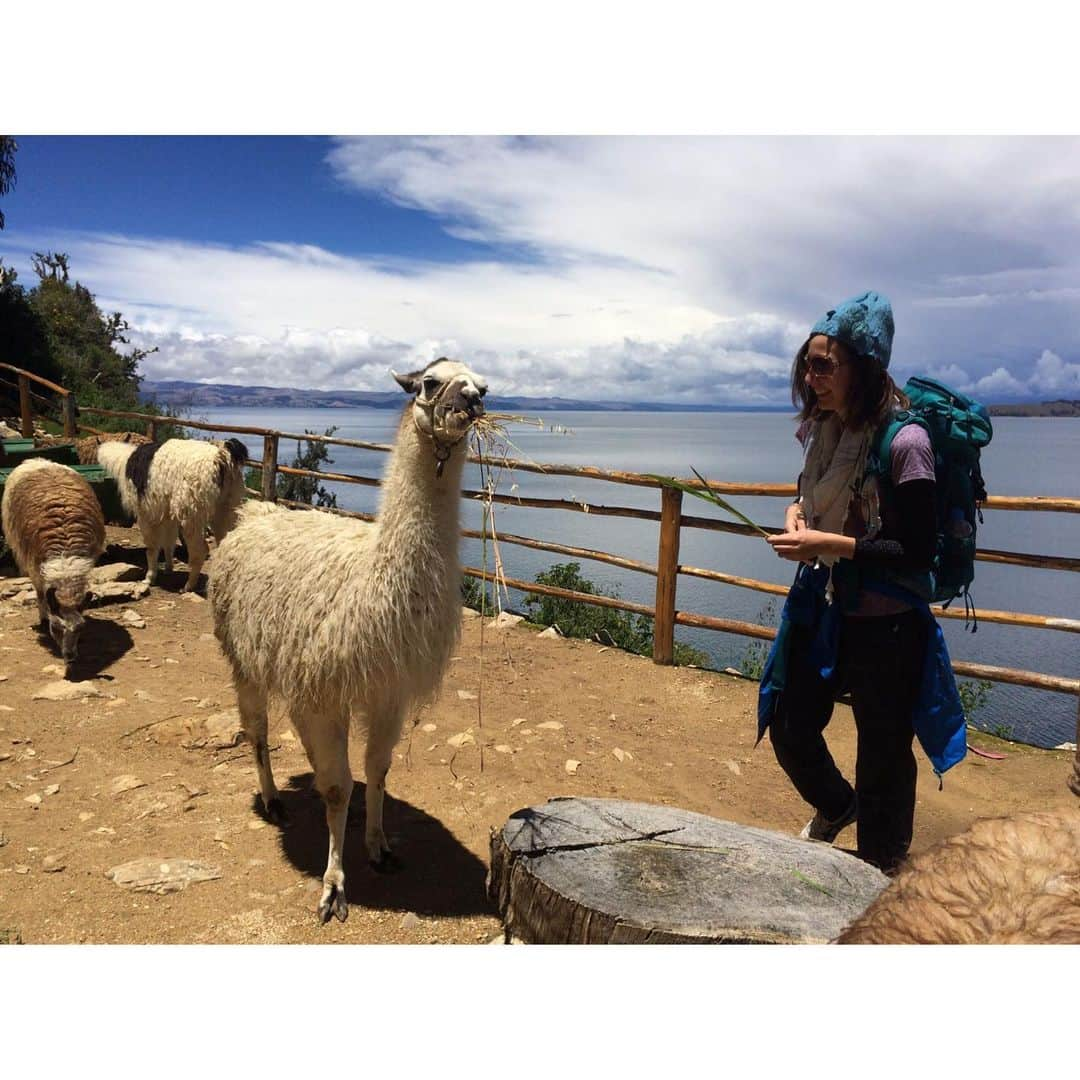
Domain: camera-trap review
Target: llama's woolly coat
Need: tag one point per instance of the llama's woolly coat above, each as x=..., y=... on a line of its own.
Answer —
x=1004, y=880
x=54, y=526
x=344, y=616
x=187, y=479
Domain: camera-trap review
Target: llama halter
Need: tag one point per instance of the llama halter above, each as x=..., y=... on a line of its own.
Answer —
x=441, y=448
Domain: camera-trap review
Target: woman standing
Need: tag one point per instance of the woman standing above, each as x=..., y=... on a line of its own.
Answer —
x=857, y=618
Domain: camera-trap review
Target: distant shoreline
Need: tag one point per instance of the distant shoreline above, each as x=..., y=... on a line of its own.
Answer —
x=180, y=394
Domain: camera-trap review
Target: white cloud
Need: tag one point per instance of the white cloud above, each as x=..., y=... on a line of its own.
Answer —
x=670, y=268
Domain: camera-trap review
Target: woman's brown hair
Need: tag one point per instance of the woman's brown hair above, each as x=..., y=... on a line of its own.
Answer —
x=873, y=393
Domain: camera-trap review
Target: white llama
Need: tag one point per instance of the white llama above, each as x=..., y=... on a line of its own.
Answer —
x=345, y=619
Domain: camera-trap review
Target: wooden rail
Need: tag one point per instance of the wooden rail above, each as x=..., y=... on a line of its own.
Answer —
x=670, y=519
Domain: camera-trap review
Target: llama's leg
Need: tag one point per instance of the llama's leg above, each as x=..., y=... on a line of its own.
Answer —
x=152, y=542
x=170, y=537
x=326, y=740
x=42, y=606
x=252, y=703
x=195, y=539
x=384, y=730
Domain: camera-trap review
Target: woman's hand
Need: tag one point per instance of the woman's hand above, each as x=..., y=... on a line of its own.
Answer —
x=794, y=518
x=806, y=545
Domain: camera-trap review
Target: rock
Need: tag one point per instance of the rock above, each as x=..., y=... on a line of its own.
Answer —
x=622, y=755
x=469, y=613
x=518, y=721
x=572, y=766
x=157, y=875
x=142, y=695
x=429, y=727
x=219, y=731
x=53, y=669
x=115, y=701
x=733, y=766
x=52, y=789
x=411, y=921
x=467, y=695
x=85, y=815
x=21, y=868
x=26, y=598
x=5, y=757
x=119, y=590
x=129, y=617
x=3, y=678
x=115, y=572
x=7, y=708
x=170, y=660
x=462, y=738
x=127, y=782
x=53, y=864
x=505, y=619
x=34, y=800
x=193, y=598
x=62, y=690
x=550, y=725
x=255, y=824
x=551, y=631
x=207, y=637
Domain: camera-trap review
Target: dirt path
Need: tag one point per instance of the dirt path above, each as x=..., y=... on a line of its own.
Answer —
x=140, y=772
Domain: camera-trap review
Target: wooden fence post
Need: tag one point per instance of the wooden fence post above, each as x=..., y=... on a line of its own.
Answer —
x=269, y=467
x=667, y=565
x=1074, y=780
x=151, y=430
x=24, y=406
x=71, y=425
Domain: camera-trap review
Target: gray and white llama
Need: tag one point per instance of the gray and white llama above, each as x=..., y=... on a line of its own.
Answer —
x=348, y=620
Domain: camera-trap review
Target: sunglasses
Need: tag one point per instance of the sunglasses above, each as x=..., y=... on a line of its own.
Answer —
x=824, y=367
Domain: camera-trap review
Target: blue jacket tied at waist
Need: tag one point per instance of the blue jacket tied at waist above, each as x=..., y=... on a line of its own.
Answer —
x=938, y=719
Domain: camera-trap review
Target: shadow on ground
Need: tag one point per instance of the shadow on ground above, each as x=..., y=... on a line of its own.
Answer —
x=101, y=643
x=438, y=876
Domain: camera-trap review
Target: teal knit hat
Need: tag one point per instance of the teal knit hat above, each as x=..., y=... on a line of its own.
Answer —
x=863, y=323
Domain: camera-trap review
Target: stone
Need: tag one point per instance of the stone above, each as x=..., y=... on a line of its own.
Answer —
x=21, y=868
x=207, y=637
x=62, y=690
x=505, y=619
x=502, y=748
x=193, y=598
x=119, y=590
x=52, y=789
x=85, y=815
x=53, y=669
x=411, y=921
x=518, y=721
x=467, y=695
x=622, y=755
x=462, y=738
x=127, y=782
x=142, y=695
x=53, y=864
x=130, y=617
x=734, y=767
x=429, y=727
x=34, y=800
x=159, y=875
x=115, y=572
x=550, y=725
x=469, y=613
x=572, y=766
x=551, y=631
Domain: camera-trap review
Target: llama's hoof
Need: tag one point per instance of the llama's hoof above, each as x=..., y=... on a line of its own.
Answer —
x=387, y=863
x=333, y=902
x=276, y=813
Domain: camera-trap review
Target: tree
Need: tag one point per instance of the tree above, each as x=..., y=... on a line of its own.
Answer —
x=308, y=489
x=8, y=146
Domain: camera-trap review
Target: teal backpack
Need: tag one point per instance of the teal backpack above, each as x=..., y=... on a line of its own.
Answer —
x=959, y=428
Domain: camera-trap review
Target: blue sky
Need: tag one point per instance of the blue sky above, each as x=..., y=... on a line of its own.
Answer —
x=662, y=268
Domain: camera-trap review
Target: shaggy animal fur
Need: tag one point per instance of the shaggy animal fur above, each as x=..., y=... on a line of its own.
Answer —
x=181, y=484
x=345, y=619
x=56, y=531
x=1004, y=880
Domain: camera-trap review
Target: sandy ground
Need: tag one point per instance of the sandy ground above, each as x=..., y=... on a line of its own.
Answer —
x=147, y=769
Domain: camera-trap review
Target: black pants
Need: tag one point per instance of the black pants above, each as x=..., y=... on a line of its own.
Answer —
x=880, y=663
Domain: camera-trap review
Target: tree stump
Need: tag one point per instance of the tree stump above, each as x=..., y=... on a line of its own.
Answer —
x=595, y=871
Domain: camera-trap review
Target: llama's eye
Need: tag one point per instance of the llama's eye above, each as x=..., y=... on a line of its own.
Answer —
x=431, y=384
x=482, y=391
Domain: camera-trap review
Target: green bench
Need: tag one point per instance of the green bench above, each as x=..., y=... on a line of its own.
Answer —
x=103, y=486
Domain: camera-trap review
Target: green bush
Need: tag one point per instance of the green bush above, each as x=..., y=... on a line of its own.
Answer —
x=607, y=625
x=752, y=664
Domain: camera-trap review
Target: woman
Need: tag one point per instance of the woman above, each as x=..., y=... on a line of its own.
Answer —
x=857, y=619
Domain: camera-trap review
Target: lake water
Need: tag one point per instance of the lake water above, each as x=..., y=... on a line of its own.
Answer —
x=1027, y=457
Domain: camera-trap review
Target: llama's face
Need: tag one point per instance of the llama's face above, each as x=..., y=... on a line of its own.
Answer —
x=65, y=622
x=448, y=398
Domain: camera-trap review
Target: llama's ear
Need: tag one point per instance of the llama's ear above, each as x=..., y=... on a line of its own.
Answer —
x=409, y=383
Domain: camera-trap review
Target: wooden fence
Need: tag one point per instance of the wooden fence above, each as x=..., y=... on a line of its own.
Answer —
x=671, y=521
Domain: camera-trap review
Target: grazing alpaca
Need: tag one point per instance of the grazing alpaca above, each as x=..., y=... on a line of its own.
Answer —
x=343, y=618
x=56, y=531
x=1014, y=879
x=180, y=484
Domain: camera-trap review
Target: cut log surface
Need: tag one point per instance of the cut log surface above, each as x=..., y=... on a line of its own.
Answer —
x=596, y=871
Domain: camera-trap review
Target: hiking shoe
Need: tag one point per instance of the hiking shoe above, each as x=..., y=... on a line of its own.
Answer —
x=819, y=827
